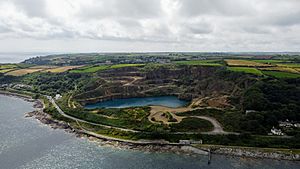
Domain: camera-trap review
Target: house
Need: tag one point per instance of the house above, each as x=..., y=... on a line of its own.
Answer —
x=187, y=142
x=4, y=85
x=277, y=132
x=285, y=123
x=288, y=124
x=57, y=96
x=184, y=141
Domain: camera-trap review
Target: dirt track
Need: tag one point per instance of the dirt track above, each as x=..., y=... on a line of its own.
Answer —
x=157, y=110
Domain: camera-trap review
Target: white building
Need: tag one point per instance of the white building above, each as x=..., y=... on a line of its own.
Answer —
x=277, y=132
x=57, y=96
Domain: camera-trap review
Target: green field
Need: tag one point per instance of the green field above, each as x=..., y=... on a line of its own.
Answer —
x=291, y=65
x=125, y=65
x=278, y=74
x=192, y=124
x=7, y=66
x=200, y=62
x=90, y=69
x=245, y=70
x=269, y=61
x=5, y=70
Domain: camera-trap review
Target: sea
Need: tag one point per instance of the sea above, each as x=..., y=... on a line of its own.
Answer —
x=8, y=57
x=25, y=143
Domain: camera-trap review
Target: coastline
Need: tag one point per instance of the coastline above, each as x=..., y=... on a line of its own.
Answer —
x=178, y=149
x=21, y=96
x=55, y=124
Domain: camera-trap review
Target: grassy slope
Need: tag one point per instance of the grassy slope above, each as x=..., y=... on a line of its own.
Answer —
x=125, y=65
x=199, y=62
x=90, y=69
x=291, y=65
x=5, y=70
x=278, y=74
x=245, y=70
x=7, y=66
x=245, y=63
x=191, y=124
x=269, y=61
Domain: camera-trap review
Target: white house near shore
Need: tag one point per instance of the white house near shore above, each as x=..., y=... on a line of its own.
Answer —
x=190, y=142
x=277, y=132
x=57, y=96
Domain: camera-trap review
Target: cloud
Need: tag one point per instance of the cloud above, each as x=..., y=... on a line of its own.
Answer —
x=32, y=8
x=137, y=9
x=216, y=7
x=165, y=24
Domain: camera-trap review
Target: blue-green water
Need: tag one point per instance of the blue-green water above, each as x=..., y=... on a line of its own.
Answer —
x=27, y=144
x=169, y=101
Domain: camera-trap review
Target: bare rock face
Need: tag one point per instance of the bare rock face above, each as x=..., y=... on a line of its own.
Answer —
x=186, y=82
x=257, y=154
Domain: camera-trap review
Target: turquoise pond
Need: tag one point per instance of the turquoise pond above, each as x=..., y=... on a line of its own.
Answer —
x=168, y=101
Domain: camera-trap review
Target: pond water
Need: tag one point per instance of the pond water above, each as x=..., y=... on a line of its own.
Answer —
x=168, y=101
x=28, y=144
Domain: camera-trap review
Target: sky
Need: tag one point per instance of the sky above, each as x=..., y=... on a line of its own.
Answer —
x=149, y=25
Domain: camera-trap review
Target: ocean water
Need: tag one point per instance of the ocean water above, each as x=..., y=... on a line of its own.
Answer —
x=18, y=57
x=25, y=143
x=169, y=101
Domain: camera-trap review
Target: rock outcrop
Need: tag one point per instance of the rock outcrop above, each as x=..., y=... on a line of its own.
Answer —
x=186, y=82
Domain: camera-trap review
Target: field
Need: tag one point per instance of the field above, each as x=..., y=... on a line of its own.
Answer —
x=269, y=61
x=125, y=65
x=7, y=66
x=5, y=70
x=246, y=63
x=199, y=62
x=246, y=70
x=282, y=69
x=291, y=65
x=22, y=72
x=269, y=67
x=16, y=70
x=90, y=69
x=279, y=74
x=43, y=67
x=192, y=124
x=61, y=69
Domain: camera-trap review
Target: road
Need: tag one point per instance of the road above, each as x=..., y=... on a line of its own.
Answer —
x=142, y=142
x=218, y=129
x=217, y=126
x=80, y=120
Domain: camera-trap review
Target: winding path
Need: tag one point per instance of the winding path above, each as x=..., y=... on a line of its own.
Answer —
x=80, y=120
x=217, y=126
x=134, y=79
x=156, y=110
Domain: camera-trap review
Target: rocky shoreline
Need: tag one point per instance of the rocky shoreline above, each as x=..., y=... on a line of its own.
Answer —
x=188, y=150
x=55, y=124
x=257, y=154
x=24, y=97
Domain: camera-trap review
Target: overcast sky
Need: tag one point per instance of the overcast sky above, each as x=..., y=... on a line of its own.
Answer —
x=149, y=25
